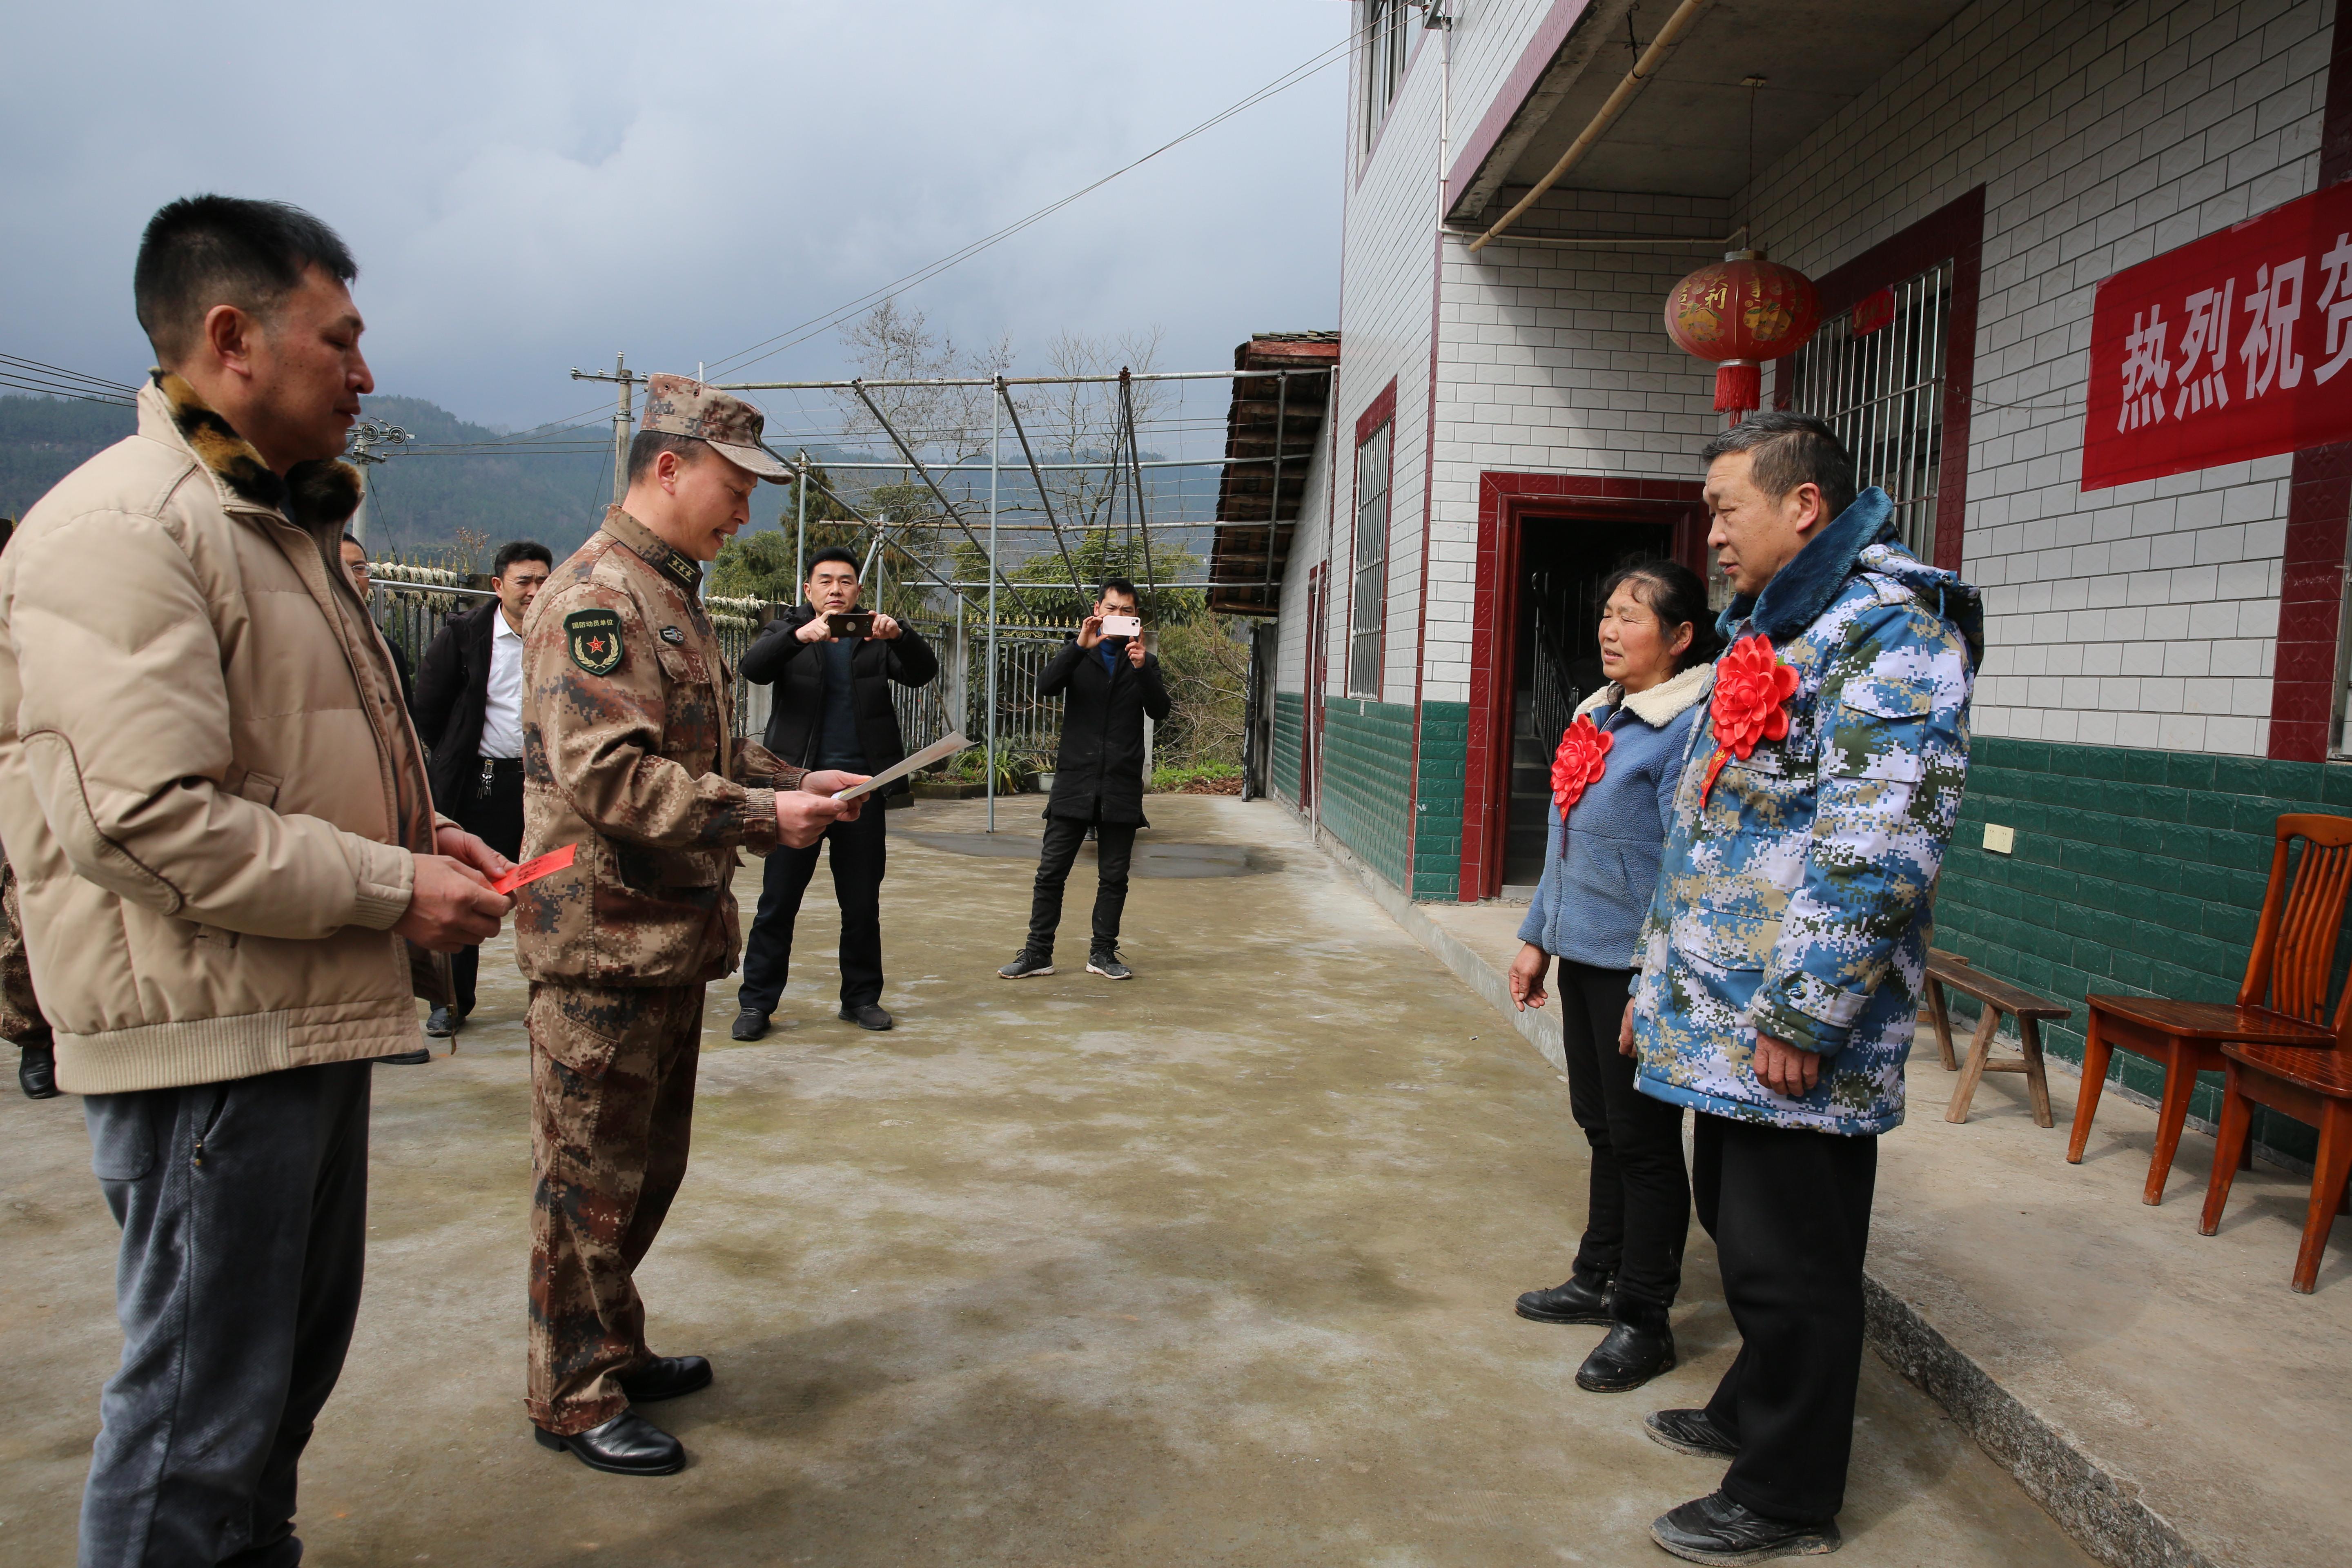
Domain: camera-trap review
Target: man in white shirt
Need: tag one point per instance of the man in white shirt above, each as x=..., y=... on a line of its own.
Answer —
x=468, y=710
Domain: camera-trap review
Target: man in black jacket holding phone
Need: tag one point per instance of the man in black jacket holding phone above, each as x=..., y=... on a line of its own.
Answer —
x=1112, y=683
x=832, y=665
x=469, y=709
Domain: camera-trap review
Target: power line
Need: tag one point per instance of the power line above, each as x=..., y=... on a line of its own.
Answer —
x=791, y=336
x=56, y=380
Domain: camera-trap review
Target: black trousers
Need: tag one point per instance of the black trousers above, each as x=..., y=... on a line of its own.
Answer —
x=1790, y=1213
x=860, y=852
x=495, y=817
x=1114, y=853
x=243, y=1215
x=1640, y=1200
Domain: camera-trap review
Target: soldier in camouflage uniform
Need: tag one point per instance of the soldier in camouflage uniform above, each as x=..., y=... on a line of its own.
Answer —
x=21, y=1023
x=628, y=755
x=1783, y=955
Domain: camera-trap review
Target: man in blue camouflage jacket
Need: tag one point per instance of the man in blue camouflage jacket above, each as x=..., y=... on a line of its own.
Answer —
x=1783, y=955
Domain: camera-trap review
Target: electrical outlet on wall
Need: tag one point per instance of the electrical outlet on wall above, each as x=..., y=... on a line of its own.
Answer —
x=2000, y=840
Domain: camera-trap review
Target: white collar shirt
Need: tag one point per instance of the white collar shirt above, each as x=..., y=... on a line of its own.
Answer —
x=503, y=704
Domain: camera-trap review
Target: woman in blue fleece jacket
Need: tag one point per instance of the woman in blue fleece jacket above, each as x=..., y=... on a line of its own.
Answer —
x=1614, y=792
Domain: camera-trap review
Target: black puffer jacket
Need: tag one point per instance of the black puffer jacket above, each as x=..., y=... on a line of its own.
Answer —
x=780, y=658
x=1098, y=775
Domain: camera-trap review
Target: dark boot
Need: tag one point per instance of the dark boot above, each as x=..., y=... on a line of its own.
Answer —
x=1582, y=1299
x=36, y=1072
x=1640, y=1345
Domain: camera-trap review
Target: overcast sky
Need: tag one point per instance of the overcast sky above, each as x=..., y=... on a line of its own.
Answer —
x=534, y=186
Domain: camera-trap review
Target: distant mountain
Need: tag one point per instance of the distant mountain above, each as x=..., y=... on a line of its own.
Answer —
x=552, y=490
x=543, y=485
x=550, y=485
x=43, y=439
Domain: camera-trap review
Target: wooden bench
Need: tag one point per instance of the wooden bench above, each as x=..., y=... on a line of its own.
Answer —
x=1996, y=996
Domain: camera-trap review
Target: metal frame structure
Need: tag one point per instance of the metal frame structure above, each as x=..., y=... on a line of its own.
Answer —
x=1125, y=462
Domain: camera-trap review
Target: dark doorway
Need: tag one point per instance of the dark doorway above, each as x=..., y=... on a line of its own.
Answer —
x=1562, y=562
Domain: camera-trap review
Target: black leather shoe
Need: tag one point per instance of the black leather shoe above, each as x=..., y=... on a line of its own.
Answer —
x=415, y=1059
x=750, y=1025
x=666, y=1377
x=1582, y=1299
x=1713, y=1528
x=1639, y=1346
x=868, y=1016
x=36, y=1072
x=1689, y=1432
x=627, y=1445
x=442, y=1023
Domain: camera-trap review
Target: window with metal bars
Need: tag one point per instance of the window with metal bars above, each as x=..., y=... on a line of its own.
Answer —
x=1386, y=44
x=1876, y=375
x=1368, y=604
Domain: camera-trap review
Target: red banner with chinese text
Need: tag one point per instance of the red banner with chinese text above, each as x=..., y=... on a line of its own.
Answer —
x=2231, y=347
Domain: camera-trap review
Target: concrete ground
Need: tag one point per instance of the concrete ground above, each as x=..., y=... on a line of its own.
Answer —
x=1212, y=1267
x=2181, y=1366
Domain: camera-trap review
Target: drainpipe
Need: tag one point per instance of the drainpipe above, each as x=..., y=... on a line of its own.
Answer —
x=1644, y=68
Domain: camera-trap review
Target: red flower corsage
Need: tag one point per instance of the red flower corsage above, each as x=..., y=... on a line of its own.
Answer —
x=1582, y=758
x=1750, y=685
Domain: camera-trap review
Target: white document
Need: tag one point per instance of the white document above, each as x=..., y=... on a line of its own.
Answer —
x=945, y=747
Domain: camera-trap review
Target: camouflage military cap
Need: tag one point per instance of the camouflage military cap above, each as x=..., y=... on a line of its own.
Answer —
x=681, y=405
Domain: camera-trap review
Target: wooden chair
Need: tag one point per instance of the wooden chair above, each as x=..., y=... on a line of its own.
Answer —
x=1996, y=996
x=2295, y=946
x=2310, y=1086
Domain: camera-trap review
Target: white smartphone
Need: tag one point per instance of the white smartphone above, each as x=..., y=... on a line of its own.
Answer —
x=1123, y=625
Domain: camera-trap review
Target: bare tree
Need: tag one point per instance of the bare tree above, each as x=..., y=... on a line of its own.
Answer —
x=943, y=425
x=947, y=424
x=1085, y=422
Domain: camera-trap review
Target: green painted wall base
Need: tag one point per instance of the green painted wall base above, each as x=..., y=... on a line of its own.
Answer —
x=1289, y=729
x=2135, y=872
x=1369, y=800
x=1437, y=809
x=1367, y=787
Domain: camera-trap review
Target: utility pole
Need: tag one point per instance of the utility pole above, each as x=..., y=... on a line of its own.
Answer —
x=800, y=506
x=622, y=418
x=366, y=436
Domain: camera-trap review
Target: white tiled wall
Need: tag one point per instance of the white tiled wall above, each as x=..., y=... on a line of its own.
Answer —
x=2145, y=614
x=2102, y=133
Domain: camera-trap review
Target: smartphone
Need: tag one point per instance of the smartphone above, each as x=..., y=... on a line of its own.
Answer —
x=1123, y=625
x=851, y=624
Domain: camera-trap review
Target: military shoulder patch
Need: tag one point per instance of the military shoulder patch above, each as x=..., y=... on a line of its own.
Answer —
x=594, y=636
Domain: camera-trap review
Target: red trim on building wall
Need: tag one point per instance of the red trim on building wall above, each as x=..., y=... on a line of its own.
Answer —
x=1534, y=60
x=1953, y=232
x=2319, y=497
x=1506, y=500
x=1382, y=412
x=1377, y=413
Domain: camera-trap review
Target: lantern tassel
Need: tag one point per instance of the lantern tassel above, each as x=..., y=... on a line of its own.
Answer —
x=1738, y=385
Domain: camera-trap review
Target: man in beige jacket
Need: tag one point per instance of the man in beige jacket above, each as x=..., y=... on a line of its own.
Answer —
x=230, y=871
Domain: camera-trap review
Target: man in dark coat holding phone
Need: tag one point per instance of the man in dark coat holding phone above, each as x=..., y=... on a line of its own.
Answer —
x=1111, y=683
x=832, y=709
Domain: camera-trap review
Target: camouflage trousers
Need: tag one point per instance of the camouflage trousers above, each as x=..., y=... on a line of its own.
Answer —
x=20, y=1010
x=612, y=1111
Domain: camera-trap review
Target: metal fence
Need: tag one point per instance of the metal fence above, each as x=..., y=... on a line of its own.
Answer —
x=1028, y=727
x=1882, y=393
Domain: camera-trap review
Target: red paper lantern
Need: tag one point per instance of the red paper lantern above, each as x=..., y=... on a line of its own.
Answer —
x=1740, y=312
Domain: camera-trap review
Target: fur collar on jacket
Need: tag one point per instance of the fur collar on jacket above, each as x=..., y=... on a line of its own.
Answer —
x=1658, y=706
x=325, y=492
x=1801, y=592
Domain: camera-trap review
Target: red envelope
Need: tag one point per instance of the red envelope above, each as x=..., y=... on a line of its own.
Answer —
x=532, y=871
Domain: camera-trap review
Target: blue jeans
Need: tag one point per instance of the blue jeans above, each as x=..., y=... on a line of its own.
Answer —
x=244, y=1214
